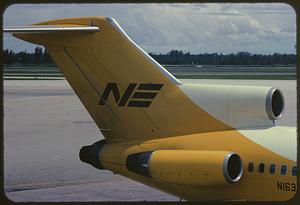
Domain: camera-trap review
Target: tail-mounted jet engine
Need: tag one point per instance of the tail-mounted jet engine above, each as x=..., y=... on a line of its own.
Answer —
x=188, y=167
x=238, y=106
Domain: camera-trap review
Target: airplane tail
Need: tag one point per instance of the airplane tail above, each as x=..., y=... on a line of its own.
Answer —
x=128, y=94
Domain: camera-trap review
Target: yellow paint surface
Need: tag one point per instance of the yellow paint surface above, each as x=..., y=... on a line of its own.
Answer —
x=172, y=122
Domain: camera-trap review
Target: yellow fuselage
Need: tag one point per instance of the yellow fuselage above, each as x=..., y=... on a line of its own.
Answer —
x=253, y=185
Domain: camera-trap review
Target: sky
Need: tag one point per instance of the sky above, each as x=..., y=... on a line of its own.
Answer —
x=263, y=28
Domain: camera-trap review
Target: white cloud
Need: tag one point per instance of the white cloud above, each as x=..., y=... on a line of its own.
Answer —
x=190, y=27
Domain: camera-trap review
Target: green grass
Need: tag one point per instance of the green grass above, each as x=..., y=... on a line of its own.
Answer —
x=34, y=75
x=34, y=78
x=237, y=77
x=44, y=72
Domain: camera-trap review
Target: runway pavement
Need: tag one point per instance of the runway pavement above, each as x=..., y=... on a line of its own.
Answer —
x=45, y=126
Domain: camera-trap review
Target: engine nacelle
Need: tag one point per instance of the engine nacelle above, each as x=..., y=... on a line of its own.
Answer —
x=238, y=106
x=188, y=167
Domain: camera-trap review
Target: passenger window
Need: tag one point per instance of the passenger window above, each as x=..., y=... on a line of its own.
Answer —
x=283, y=169
x=294, y=171
x=272, y=168
x=250, y=167
x=261, y=168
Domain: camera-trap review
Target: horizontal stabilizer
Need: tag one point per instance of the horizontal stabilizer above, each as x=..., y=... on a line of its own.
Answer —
x=50, y=29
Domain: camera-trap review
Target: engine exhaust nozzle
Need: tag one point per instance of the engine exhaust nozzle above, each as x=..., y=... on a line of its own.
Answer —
x=91, y=154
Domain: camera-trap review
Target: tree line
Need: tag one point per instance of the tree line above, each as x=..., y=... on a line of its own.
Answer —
x=174, y=57
x=240, y=58
x=39, y=56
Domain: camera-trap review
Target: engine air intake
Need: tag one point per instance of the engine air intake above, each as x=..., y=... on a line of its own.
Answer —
x=233, y=168
x=274, y=104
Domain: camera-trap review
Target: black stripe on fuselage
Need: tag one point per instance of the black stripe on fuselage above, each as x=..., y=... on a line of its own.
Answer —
x=148, y=86
x=144, y=95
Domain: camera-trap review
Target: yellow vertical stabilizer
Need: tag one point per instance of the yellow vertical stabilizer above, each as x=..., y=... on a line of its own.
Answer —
x=127, y=93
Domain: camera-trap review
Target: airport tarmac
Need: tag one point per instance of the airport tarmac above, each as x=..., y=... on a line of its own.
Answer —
x=45, y=125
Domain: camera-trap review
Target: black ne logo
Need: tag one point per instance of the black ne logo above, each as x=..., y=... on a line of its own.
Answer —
x=142, y=97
